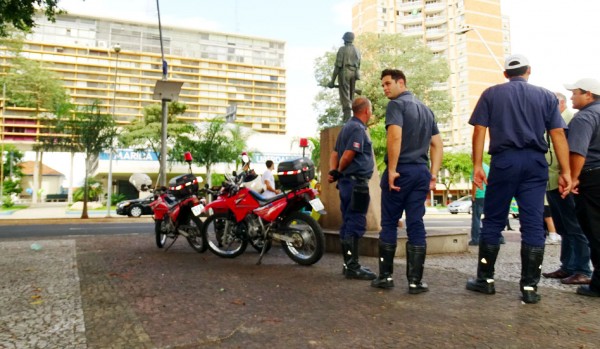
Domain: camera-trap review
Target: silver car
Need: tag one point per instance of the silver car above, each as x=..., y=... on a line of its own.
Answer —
x=461, y=205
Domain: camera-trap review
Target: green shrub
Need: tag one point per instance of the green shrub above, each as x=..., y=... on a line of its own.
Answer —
x=7, y=202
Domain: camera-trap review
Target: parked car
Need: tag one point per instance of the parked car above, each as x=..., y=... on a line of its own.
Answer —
x=135, y=207
x=461, y=205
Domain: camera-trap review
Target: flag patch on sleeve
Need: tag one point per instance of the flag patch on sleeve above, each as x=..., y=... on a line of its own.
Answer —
x=356, y=145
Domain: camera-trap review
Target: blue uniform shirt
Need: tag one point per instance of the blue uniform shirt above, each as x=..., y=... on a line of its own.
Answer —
x=353, y=136
x=418, y=125
x=517, y=115
x=584, y=131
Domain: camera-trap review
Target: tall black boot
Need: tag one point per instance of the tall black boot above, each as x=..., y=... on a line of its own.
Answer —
x=353, y=268
x=485, y=269
x=345, y=254
x=531, y=269
x=386, y=266
x=415, y=263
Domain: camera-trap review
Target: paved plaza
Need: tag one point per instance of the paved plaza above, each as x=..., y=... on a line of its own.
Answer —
x=123, y=292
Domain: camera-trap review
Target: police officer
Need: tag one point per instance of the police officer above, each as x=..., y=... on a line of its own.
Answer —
x=352, y=165
x=411, y=132
x=347, y=71
x=584, y=145
x=517, y=115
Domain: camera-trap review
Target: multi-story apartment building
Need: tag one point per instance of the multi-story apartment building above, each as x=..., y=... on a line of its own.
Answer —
x=218, y=70
x=471, y=34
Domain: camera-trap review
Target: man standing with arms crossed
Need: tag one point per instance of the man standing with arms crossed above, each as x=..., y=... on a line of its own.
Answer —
x=352, y=166
x=585, y=163
x=517, y=115
x=411, y=132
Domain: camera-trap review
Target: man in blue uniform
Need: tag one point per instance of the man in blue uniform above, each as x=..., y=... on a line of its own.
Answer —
x=517, y=115
x=411, y=132
x=352, y=165
x=584, y=145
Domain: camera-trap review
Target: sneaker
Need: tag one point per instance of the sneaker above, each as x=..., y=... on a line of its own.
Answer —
x=553, y=239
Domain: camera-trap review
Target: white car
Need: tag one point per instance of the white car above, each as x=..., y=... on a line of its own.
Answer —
x=461, y=205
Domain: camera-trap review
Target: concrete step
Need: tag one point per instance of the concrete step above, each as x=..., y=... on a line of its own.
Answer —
x=438, y=242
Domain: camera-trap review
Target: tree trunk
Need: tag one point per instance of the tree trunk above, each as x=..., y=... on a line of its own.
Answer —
x=36, y=177
x=70, y=191
x=84, y=213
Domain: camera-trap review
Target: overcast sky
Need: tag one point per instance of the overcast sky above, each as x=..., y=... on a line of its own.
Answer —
x=557, y=36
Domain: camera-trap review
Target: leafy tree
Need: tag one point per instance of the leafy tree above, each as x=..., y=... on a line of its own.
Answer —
x=379, y=51
x=454, y=167
x=212, y=142
x=19, y=13
x=12, y=171
x=30, y=85
x=90, y=133
x=94, y=190
x=145, y=134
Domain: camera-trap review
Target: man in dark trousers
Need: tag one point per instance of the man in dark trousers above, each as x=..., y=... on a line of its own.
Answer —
x=412, y=133
x=352, y=166
x=347, y=71
x=517, y=115
x=584, y=144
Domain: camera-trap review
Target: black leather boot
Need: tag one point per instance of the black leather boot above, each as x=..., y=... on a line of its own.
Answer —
x=386, y=266
x=415, y=263
x=353, y=268
x=531, y=269
x=485, y=269
x=345, y=254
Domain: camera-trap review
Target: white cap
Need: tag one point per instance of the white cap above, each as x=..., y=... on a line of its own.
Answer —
x=515, y=61
x=588, y=84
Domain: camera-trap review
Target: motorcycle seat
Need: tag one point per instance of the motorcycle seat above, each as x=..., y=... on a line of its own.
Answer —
x=263, y=200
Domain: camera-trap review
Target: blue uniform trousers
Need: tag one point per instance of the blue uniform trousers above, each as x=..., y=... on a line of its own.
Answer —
x=574, y=249
x=521, y=174
x=414, y=186
x=353, y=223
x=476, y=212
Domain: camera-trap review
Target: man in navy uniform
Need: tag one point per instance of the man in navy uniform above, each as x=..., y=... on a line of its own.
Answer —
x=517, y=114
x=411, y=132
x=584, y=145
x=352, y=165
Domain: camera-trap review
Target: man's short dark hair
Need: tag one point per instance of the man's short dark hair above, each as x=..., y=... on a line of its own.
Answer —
x=396, y=74
x=511, y=73
x=594, y=97
x=269, y=163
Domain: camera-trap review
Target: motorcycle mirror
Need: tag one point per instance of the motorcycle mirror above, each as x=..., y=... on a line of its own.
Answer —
x=245, y=158
x=233, y=173
x=188, y=157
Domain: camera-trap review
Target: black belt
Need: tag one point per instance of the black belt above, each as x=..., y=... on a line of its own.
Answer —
x=590, y=170
x=356, y=178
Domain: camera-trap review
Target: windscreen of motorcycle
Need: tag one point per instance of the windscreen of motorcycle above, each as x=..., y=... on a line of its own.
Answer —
x=256, y=184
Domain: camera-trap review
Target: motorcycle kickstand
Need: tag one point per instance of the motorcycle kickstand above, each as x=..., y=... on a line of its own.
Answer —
x=262, y=253
x=172, y=242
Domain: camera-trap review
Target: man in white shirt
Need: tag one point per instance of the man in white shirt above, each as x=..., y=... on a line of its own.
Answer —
x=269, y=181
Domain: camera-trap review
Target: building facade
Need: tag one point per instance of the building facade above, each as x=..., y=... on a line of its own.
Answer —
x=471, y=34
x=218, y=70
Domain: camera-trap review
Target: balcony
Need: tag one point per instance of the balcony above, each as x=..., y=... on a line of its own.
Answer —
x=434, y=7
x=409, y=5
x=435, y=20
x=410, y=19
x=431, y=34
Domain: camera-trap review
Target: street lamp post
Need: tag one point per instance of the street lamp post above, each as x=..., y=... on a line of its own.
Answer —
x=467, y=29
x=117, y=49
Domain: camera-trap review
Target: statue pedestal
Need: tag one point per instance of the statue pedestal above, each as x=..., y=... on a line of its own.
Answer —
x=330, y=196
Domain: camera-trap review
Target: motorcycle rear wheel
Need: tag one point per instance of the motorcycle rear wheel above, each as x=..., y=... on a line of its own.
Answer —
x=161, y=238
x=196, y=237
x=309, y=241
x=222, y=241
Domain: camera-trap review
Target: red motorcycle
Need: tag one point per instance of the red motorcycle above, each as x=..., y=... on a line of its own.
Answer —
x=240, y=216
x=177, y=210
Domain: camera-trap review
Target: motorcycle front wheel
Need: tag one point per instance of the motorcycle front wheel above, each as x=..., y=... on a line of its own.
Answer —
x=161, y=238
x=309, y=241
x=196, y=237
x=219, y=230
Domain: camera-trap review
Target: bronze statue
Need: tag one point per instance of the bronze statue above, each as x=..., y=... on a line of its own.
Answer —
x=346, y=70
